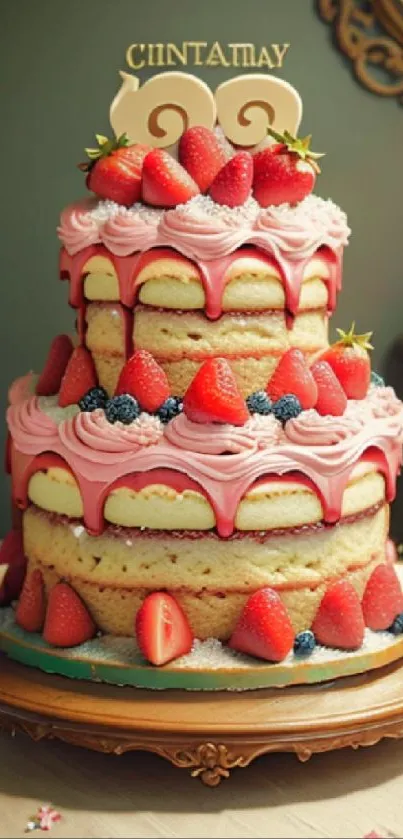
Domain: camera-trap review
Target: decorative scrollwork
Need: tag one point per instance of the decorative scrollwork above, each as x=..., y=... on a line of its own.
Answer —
x=370, y=34
x=209, y=762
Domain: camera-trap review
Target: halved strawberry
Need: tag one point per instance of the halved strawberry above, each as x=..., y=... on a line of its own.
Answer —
x=12, y=557
x=213, y=395
x=115, y=169
x=383, y=598
x=264, y=628
x=143, y=378
x=202, y=154
x=233, y=183
x=165, y=182
x=292, y=375
x=339, y=620
x=68, y=621
x=162, y=629
x=31, y=608
x=331, y=397
x=79, y=377
x=59, y=355
x=284, y=173
x=349, y=360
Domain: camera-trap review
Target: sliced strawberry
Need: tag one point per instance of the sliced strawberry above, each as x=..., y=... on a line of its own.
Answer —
x=292, y=375
x=383, y=598
x=31, y=608
x=214, y=396
x=162, y=629
x=115, y=169
x=331, y=397
x=350, y=362
x=233, y=183
x=202, y=154
x=339, y=620
x=12, y=556
x=143, y=378
x=284, y=173
x=79, y=377
x=68, y=621
x=264, y=628
x=165, y=182
x=59, y=355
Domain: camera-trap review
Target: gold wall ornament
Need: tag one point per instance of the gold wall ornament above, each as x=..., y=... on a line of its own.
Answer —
x=158, y=112
x=370, y=34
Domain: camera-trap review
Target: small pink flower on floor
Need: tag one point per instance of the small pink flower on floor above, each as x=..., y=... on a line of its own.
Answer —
x=44, y=819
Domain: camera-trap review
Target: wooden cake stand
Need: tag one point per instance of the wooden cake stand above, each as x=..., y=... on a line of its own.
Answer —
x=206, y=733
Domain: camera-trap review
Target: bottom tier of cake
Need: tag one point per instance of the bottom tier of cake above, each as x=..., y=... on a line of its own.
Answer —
x=210, y=577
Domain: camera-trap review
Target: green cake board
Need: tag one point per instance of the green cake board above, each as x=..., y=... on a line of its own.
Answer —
x=210, y=665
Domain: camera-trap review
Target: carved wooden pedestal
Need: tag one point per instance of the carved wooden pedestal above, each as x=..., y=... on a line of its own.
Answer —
x=207, y=733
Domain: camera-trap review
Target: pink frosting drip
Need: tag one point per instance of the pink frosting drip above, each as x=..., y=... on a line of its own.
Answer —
x=223, y=478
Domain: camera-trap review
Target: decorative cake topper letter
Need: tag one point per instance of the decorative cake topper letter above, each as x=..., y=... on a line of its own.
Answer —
x=248, y=105
x=160, y=111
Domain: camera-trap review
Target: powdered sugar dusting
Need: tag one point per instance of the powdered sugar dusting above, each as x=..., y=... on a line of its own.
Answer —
x=202, y=207
x=106, y=210
x=49, y=405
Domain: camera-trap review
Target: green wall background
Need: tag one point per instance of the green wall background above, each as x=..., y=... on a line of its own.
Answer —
x=59, y=61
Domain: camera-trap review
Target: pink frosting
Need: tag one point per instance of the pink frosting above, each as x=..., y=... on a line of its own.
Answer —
x=21, y=389
x=384, y=402
x=312, y=429
x=33, y=429
x=129, y=231
x=78, y=229
x=204, y=230
x=95, y=432
x=209, y=438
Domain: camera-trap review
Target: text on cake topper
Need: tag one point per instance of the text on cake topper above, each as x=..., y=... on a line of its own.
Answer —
x=158, y=112
x=203, y=54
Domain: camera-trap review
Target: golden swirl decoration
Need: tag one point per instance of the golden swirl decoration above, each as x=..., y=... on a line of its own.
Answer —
x=248, y=105
x=154, y=126
x=372, y=37
x=158, y=112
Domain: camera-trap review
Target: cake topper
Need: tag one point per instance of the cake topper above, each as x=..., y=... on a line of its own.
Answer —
x=158, y=112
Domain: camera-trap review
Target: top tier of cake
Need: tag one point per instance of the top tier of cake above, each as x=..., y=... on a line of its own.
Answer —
x=203, y=280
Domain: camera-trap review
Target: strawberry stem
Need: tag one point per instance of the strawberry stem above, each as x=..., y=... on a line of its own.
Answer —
x=299, y=146
x=104, y=149
x=351, y=339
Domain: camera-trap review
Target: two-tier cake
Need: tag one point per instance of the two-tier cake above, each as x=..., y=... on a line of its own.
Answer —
x=199, y=462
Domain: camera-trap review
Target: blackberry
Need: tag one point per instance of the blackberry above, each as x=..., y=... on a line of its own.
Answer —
x=96, y=397
x=259, y=403
x=377, y=380
x=397, y=625
x=170, y=408
x=287, y=407
x=124, y=408
x=304, y=643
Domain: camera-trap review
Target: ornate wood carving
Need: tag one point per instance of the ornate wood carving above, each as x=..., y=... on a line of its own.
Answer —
x=370, y=33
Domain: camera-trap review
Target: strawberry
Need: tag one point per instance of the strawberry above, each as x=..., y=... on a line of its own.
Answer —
x=284, y=173
x=383, y=598
x=143, y=378
x=233, y=183
x=115, y=169
x=292, y=375
x=68, y=621
x=213, y=395
x=31, y=608
x=202, y=155
x=349, y=360
x=165, y=182
x=339, y=620
x=331, y=397
x=162, y=629
x=59, y=354
x=264, y=628
x=79, y=377
x=12, y=557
